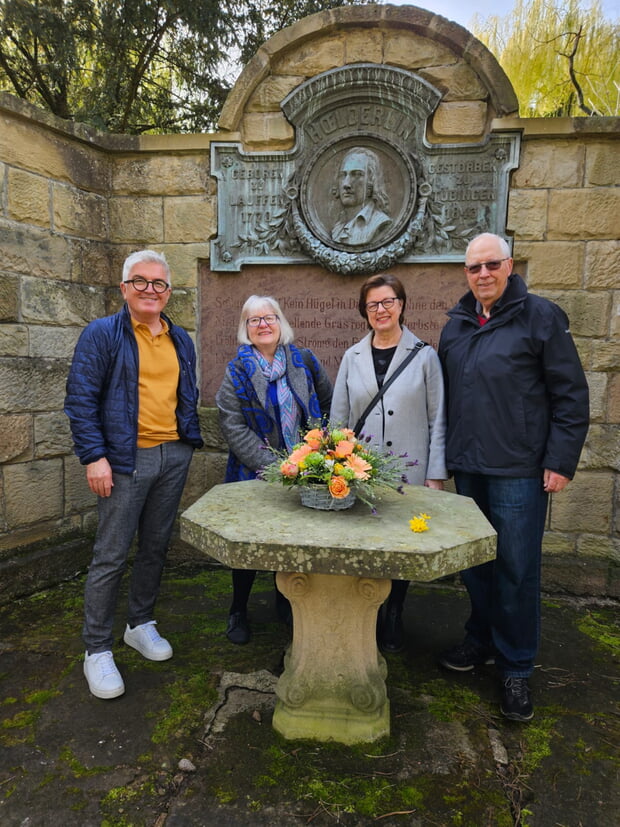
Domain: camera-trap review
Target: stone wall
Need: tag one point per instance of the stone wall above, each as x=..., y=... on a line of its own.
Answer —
x=74, y=203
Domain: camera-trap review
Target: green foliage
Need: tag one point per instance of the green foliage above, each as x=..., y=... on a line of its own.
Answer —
x=562, y=58
x=135, y=66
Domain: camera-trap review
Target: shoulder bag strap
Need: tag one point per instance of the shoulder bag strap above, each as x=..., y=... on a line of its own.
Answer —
x=360, y=422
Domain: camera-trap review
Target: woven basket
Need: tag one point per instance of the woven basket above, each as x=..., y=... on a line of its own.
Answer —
x=318, y=496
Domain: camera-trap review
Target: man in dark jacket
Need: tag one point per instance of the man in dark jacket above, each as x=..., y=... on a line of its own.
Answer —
x=517, y=420
x=131, y=401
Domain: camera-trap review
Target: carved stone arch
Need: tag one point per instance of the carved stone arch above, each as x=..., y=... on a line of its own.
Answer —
x=419, y=21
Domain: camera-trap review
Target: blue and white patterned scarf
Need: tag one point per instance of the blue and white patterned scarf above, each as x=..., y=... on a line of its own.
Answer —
x=275, y=373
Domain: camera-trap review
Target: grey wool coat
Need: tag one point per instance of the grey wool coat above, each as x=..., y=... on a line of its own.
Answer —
x=410, y=417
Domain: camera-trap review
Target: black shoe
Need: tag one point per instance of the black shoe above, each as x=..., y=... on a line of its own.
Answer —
x=390, y=631
x=465, y=656
x=238, y=630
x=516, y=703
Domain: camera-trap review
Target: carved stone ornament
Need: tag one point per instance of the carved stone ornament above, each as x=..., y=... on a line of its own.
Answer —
x=362, y=189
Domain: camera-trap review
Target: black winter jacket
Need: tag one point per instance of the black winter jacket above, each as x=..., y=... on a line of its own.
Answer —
x=102, y=392
x=517, y=394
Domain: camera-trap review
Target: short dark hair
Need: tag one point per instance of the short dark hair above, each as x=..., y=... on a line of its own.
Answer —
x=378, y=281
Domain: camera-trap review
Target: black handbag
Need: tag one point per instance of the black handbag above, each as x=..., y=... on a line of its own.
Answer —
x=360, y=422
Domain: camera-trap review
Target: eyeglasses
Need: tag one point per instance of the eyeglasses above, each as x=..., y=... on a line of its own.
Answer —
x=491, y=266
x=270, y=319
x=140, y=284
x=372, y=307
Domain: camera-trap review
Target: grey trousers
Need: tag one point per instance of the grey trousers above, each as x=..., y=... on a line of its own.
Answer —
x=143, y=503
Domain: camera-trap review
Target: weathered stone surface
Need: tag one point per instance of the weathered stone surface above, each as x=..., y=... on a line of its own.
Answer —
x=52, y=435
x=603, y=264
x=271, y=92
x=584, y=213
x=408, y=50
x=28, y=198
x=33, y=492
x=80, y=213
x=136, y=220
x=613, y=399
x=189, y=219
x=66, y=304
x=606, y=356
x=182, y=308
x=184, y=260
x=9, y=298
x=34, y=252
x=596, y=545
x=603, y=163
x=550, y=164
x=78, y=495
x=602, y=450
x=312, y=58
x=598, y=383
x=32, y=384
x=527, y=214
x=197, y=478
x=210, y=428
x=363, y=46
x=95, y=263
x=161, y=175
x=586, y=502
x=266, y=129
x=552, y=263
x=459, y=119
x=15, y=437
x=459, y=81
x=588, y=312
x=13, y=337
x=53, y=342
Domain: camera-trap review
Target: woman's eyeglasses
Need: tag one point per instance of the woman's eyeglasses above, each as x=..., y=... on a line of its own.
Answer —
x=270, y=319
x=372, y=307
x=140, y=284
x=491, y=266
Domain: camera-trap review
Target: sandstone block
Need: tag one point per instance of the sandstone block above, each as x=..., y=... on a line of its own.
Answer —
x=94, y=263
x=548, y=164
x=34, y=252
x=576, y=575
x=411, y=51
x=586, y=505
x=184, y=262
x=603, y=164
x=15, y=437
x=136, y=220
x=189, y=220
x=79, y=213
x=269, y=129
x=606, y=356
x=459, y=80
x=161, y=174
x=182, y=308
x=28, y=198
x=210, y=428
x=13, y=337
x=33, y=492
x=363, y=46
x=603, y=264
x=52, y=435
x=552, y=263
x=588, y=313
x=66, y=304
x=584, y=214
x=53, y=342
x=196, y=484
x=456, y=119
x=9, y=298
x=527, y=214
x=557, y=543
x=613, y=400
x=78, y=495
x=311, y=58
x=599, y=545
x=602, y=448
x=598, y=383
x=269, y=94
x=28, y=384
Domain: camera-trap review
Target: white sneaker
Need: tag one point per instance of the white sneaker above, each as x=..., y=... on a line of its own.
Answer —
x=147, y=640
x=104, y=679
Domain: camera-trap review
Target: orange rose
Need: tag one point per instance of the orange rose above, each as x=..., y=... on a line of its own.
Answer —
x=313, y=438
x=289, y=469
x=300, y=453
x=344, y=448
x=338, y=488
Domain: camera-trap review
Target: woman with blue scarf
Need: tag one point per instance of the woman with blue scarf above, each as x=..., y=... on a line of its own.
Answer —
x=270, y=390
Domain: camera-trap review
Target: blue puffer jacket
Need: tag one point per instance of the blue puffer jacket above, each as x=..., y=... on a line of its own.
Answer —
x=102, y=392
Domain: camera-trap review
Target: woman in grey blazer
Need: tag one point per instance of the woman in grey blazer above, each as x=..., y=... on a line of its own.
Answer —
x=408, y=419
x=270, y=390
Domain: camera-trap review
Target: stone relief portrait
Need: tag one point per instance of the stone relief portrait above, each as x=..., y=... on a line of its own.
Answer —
x=356, y=196
x=360, y=188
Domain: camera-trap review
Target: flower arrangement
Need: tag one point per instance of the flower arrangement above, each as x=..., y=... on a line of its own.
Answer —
x=335, y=458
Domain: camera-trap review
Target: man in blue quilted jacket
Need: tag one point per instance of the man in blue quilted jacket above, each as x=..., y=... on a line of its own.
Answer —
x=132, y=404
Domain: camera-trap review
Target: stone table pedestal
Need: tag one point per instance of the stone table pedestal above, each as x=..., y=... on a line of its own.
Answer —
x=335, y=567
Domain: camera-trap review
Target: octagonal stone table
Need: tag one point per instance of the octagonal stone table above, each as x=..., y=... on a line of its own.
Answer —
x=336, y=569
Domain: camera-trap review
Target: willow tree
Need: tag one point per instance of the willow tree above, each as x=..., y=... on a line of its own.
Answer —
x=136, y=66
x=561, y=57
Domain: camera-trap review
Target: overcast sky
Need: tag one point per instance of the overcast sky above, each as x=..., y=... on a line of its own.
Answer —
x=463, y=11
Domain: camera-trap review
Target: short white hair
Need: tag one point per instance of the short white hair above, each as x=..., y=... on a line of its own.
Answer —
x=145, y=255
x=250, y=308
x=503, y=244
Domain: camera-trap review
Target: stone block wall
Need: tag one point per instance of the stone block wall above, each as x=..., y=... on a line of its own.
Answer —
x=74, y=203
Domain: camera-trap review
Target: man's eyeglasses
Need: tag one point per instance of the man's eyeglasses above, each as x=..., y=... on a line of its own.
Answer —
x=140, y=284
x=270, y=319
x=372, y=307
x=491, y=266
